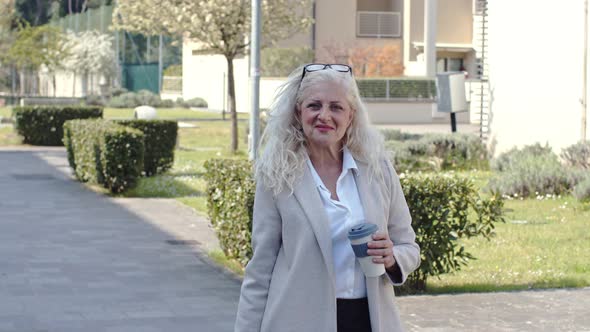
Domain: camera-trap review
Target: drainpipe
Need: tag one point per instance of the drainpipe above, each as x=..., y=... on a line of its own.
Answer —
x=430, y=11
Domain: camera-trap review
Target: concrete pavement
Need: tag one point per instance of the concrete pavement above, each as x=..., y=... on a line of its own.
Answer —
x=73, y=260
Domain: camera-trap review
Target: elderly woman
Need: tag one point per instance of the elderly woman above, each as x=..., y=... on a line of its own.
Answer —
x=323, y=171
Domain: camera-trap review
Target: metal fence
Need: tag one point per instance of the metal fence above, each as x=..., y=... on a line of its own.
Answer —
x=93, y=19
x=393, y=89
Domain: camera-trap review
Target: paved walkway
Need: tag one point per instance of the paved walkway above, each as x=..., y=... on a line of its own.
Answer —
x=73, y=260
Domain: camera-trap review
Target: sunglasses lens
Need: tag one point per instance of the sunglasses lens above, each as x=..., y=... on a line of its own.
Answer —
x=314, y=67
x=342, y=68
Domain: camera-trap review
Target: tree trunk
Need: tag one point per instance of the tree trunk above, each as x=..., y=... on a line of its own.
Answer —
x=35, y=80
x=22, y=82
x=54, y=83
x=85, y=84
x=13, y=86
x=231, y=94
x=39, y=12
x=70, y=6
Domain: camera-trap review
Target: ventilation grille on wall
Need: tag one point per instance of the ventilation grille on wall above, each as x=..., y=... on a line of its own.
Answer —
x=378, y=24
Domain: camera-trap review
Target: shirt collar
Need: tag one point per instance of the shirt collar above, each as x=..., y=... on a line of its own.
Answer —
x=348, y=163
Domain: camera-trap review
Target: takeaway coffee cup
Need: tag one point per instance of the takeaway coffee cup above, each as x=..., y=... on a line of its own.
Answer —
x=360, y=236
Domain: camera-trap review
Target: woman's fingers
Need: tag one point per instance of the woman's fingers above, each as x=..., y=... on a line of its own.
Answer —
x=382, y=248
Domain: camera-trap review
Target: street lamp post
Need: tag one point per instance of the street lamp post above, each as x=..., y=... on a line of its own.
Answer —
x=255, y=79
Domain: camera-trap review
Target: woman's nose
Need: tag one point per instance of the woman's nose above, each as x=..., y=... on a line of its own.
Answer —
x=323, y=113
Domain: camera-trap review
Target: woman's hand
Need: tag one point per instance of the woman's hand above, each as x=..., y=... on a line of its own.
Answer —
x=382, y=248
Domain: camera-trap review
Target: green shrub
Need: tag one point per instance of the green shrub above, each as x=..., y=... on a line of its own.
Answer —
x=159, y=141
x=166, y=103
x=398, y=135
x=577, y=155
x=103, y=152
x=532, y=171
x=513, y=156
x=95, y=100
x=43, y=125
x=134, y=99
x=436, y=152
x=117, y=91
x=194, y=102
x=413, y=156
x=173, y=70
x=444, y=209
x=582, y=190
x=458, y=151
x=230, y=199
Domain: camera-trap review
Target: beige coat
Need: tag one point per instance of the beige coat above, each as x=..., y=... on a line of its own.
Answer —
x=289, y=283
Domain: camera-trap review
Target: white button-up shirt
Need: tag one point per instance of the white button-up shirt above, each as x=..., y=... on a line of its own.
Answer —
x=343, y=215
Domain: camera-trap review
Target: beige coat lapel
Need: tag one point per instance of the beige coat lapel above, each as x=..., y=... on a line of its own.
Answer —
x=311, y=203
x=369, y=195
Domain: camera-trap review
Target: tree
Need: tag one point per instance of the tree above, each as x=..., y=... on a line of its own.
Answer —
x=7, y=16
x=366, y=61
x=221, y=27
x=90, y=52
x=34, y=47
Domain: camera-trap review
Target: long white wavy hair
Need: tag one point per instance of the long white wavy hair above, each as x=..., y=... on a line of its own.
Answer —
x=284, y=158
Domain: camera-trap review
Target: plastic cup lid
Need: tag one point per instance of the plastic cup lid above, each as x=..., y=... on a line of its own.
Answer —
x=361, y=230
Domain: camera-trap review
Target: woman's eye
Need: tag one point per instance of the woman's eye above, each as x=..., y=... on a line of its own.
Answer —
x=337, y=107
x=314, y=106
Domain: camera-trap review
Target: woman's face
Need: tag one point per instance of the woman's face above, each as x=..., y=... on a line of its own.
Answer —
x=325, y=115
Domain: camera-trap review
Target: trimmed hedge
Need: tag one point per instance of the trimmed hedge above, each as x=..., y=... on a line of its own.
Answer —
x=103, y=152
x=444, y=209
x=43, y=125
x=159, y=142
x=230, y=201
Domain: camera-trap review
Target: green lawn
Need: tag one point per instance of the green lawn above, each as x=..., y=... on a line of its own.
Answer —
x=5, y=112
x=9, y=137
x=544, y=244
x=210, y=139
x=169, y=113
x=163, y=113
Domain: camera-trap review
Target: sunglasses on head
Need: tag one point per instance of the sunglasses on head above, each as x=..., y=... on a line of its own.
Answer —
x=321, y=66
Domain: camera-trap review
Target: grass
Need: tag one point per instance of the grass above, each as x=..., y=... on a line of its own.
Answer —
x=184, y=182
x=163, y=113
x=170, y=113
x=9, y=137
x=219, y=257
x=544, y=244
x=5, y=112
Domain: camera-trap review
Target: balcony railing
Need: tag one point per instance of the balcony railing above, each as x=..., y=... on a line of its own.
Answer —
x=378, y=24
x=397, y=89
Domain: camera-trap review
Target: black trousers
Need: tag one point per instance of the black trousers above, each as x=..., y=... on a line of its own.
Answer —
x=353, y=315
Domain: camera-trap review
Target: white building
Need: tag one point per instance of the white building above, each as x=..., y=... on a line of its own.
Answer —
x=536, y=72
